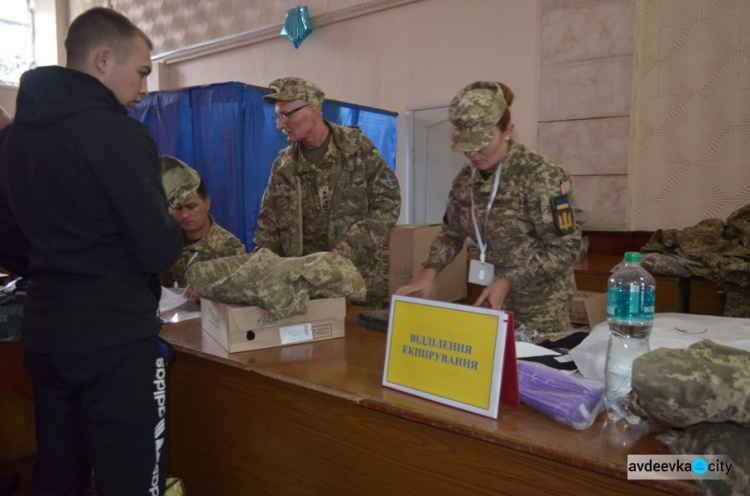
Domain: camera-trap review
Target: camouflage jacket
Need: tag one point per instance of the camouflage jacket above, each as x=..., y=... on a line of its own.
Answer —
x=713, y=249
x=217, y=243
x=281, y=285
x=525, y=244
x=707, y=382
x=365, y=202
x=704, y=391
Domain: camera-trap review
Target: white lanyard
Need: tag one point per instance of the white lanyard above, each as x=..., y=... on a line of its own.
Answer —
x=483, y=244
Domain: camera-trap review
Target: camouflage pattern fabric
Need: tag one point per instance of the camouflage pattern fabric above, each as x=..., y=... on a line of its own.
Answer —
x=217, y=243
x=365, y=202
x=180, y=181
x=720, y=252
x=292, y=88
x=315, y=181
x=707, y=382
x=474, y=113
x=524, y=244
x=716, y=439
x=282, y=286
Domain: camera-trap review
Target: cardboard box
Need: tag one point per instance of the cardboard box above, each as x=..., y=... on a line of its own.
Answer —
x=244, y=327
x=589, y=308
x=408, y=249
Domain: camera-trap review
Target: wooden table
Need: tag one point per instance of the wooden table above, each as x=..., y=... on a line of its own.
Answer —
x=313, y=418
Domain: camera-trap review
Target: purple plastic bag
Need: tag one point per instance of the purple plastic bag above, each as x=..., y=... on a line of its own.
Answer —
x=570, y=400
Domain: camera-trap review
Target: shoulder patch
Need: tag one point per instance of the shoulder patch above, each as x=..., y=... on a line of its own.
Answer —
x=562, y=213
x=390, y=178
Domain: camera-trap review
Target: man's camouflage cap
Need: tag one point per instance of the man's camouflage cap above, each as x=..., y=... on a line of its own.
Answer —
x=474, y=113
x=180, y=181
x=292, y=88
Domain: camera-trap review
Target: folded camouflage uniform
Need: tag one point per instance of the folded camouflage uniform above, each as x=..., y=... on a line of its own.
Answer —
x=707, y=382
x=706, y=390
x=716, y=439
x=713, y=249
x=282, y=286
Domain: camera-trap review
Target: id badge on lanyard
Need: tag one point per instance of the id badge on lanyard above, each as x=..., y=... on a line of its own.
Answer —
x=481, y=272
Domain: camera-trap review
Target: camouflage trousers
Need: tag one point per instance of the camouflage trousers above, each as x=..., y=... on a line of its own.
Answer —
x=282, y=286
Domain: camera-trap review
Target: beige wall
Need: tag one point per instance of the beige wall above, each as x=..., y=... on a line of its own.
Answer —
x=585, y=84
x=412, y=54
x=8, y=99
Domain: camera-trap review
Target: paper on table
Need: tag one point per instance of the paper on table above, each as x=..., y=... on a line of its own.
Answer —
x=526, y=350
x=173, y=307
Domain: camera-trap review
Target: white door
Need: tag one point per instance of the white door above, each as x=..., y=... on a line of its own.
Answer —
x=434, y=164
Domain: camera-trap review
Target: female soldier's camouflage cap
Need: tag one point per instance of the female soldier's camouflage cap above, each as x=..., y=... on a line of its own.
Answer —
x=292, y=88
x=474, y=113
x=180, y=181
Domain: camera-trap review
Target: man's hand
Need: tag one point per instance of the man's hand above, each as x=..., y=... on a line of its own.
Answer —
x=424, y=284
x=190, y=296
x=495, y=294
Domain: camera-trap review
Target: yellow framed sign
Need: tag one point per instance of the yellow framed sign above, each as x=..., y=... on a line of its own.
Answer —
x=459, y=355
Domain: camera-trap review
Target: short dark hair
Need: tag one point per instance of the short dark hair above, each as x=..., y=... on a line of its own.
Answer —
x=202, y=190
x=101, y=27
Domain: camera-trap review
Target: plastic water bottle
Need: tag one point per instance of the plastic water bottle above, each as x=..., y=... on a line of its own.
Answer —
x=630, y=313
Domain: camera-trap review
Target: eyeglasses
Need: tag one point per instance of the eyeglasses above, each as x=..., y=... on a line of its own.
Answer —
x=283, y=116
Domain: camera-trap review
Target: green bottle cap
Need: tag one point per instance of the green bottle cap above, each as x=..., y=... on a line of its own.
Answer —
x=632, y=257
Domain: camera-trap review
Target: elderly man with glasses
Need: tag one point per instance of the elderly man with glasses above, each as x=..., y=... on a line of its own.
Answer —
x=329, y=190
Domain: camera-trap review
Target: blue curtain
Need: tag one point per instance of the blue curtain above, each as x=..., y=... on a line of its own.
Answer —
x=226, y=132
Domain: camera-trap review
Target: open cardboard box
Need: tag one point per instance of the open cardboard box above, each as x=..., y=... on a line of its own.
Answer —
x=244, y=327
x=408, y=249
x=589, y=308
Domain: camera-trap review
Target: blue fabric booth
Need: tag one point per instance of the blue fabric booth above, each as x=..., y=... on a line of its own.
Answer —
x=226, y=132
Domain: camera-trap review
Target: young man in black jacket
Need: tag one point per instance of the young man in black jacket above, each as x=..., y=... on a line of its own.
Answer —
x=84, y=215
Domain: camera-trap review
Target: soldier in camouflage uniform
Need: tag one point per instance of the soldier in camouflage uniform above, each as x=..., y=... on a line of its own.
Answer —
x=329, y=190
x=531, y=235
x=204, y=239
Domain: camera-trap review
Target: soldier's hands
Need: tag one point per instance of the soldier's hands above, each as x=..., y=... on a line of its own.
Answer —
x=494, y=294
x=424, y=284
x=190, y=296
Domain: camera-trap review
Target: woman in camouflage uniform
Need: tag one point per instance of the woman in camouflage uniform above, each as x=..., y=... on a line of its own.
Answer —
x=516, y=206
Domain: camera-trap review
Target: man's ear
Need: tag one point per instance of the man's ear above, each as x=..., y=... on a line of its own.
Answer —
x=208, y=203
x=102, y=59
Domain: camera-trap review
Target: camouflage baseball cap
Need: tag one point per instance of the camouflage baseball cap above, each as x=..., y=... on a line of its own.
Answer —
x=474, y=113
x=292, y=88
x=180, y=181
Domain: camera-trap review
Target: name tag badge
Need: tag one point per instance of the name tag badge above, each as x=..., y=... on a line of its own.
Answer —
x=481, y=273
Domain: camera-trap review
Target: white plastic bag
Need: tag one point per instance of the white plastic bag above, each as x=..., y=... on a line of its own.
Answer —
x=671, y=330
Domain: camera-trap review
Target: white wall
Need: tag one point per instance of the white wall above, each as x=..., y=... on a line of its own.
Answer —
x=421, y=52
x=50, y=23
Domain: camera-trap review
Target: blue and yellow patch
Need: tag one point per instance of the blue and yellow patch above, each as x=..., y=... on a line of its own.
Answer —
x=562, y=212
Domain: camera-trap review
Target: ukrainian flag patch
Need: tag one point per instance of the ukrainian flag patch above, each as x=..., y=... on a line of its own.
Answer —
x=562, y=212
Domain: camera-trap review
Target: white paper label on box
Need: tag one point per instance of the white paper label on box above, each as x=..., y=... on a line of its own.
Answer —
x=297, y=333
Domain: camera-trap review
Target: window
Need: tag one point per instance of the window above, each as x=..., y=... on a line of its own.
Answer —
x=16, y=40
